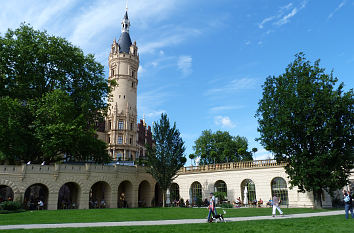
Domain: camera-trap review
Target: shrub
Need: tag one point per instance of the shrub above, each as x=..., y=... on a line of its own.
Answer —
x=10, y=205
x=199, y=201
x=226, y=205
x=220, y=195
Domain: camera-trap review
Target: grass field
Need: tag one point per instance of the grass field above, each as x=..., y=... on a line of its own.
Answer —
x=336, y=224
x=117, y=215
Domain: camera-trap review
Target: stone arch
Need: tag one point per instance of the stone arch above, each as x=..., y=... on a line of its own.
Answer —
x=174, y=192
x=125, y=194
x=195, y=193
x=221, y=187
x=94, y=180
x=35, y=193
x=144, y=194
x=52, y=187
x=248, y=191
x=69, y=196
x=100, y=195
x=279, y=187
x=73, y=179
x=10, y=184
x=6, y=193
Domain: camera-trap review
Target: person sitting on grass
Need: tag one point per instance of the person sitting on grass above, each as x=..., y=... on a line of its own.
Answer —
x=254, y=202
x=187, y=203
x=206, y=202
x=260, y=202
x=269, y=203
x=238, y=202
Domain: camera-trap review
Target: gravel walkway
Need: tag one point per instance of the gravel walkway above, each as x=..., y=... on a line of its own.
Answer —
x=164, y=222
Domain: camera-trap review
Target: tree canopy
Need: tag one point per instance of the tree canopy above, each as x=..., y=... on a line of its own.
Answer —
x=166, y=156
x=51, y=96
x=221, y=147
x=308, y=122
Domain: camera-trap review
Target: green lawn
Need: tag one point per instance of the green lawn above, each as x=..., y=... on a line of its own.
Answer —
x=116, y=215
x=328, y=224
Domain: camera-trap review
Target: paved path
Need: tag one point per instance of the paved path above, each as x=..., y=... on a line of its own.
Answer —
x=163, y=222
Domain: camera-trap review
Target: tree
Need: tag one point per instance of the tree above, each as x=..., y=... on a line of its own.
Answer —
x=308, y=123
x=166, y=157
x=192, y=157
x=221, y=147
x=33, y=68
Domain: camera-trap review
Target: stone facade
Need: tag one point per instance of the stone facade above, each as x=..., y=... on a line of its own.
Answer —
x=262, y=173
x=90, y=182
x=137, y=185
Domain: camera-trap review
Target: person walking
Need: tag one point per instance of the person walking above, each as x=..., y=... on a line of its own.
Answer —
x=211, y=207
x=276, y=202
x=348, y=204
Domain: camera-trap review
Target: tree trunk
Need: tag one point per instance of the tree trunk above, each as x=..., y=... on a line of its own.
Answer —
x=317, y=195
x=163, y=198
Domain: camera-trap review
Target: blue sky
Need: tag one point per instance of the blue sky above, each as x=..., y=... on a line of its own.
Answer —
x=203, y=62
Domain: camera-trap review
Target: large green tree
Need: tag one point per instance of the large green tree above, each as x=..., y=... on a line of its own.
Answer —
x=51, y=95
x=307, y=120
x=221, y=147
x=166, y=156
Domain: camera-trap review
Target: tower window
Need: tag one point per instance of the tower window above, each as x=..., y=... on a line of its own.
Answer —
x=132, y=84
x=133, y=73
x=120, y=125
x=120, y=140
x=131, y=126
x=124, y=96
x=119, y=96
x=130, y=140
x=112, y=72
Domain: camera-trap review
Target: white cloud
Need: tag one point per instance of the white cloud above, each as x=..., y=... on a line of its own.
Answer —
x=141, y=70
x=155, y=113
x=263, y=154
x=234, y=85
x=184, y=64
x=264, y=21
x=150, y=102
x=285, y=13
x=285, y=18
x=171, y=36
x=337, y=9
x=224, y=121
x=218, y=109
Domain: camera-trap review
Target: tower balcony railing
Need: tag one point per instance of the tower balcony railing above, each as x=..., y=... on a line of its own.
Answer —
x=233, y=166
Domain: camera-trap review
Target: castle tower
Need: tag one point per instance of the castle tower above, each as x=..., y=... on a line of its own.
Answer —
x=121, y=122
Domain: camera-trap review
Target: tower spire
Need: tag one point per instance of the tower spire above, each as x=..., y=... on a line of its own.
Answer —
x=125, y=21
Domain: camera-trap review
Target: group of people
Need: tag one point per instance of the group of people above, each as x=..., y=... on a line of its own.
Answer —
x=95, y=204
x=254, y=203
x=275, y=203
x=34, y=204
